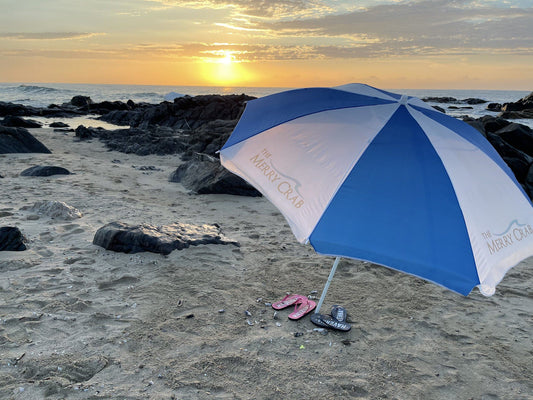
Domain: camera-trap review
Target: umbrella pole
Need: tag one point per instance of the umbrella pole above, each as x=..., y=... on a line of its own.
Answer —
x=326, y=286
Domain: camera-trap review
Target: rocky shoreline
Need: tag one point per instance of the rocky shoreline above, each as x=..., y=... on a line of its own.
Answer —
x=201, y=124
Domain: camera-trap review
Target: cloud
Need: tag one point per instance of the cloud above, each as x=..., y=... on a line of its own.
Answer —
x=268, y=9
x=432, y=24
x=394, y=28
x=47, y=35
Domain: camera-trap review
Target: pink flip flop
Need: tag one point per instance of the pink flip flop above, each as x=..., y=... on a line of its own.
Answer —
x=302, y=308
x=288, y=300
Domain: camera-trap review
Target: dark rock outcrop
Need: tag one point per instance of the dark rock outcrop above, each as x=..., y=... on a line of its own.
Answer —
x=17, y=110
x=453, y=100
x=521, y=109
x=524, y=114
x=11, y=239
x=204, y=175
x=208, y=138
x=432, y=99
x=121, y=237
x=184, y=113
x=152, y=140
x=18, y=122
x=44, y=170
x=471, y=100
x=19, y=140
x=513, y=142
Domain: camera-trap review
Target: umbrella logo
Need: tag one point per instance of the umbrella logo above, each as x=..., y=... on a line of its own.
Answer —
x=288, y=187
x=516, y=232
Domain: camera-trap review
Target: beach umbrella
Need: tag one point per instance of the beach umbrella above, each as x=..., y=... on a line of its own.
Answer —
x=372, y=175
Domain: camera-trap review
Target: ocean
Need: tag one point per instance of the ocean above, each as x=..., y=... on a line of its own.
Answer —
x=44, y=94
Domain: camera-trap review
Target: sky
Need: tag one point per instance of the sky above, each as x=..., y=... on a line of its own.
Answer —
x=403, y=44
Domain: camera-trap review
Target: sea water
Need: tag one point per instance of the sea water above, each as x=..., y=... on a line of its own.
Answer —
x=44, y=94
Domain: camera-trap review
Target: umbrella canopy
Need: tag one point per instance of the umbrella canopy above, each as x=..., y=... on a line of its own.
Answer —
x=372, y=175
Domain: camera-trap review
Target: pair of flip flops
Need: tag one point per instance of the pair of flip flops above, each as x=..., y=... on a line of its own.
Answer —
x=337, y=319
x=302, y=305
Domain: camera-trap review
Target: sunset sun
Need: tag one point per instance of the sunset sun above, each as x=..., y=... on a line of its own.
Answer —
x=223, y=68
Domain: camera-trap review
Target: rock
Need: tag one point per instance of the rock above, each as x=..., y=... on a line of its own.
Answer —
x=55, y=210
x=205, y=175
x=16, y=109
x=460, y=108
x=83, y=132
x=58, y=125
x=453, y=100
x=208, y=138
x=43, y=170
x=11, y=239
x=522, y=108
x=442, y=110
x=184, y=113
x=81, y=101
x=153, y=140
x=524, y=114
x=487, y=123
x=513, y=142
x=19, y=140
x=431, y=99
x=121, y=237
x=495, y=107
x=529, y=182
x=474, y=101
x=18, y=122
x=519, y=136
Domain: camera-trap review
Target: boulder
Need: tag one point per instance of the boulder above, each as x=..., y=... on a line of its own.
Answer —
x=44, y=170
x=494, y=107
x=205, y=175
x=55, y=210
x=19, y=140
x=121, y=237
x=81, y=101
x=519, y=136
x=11, y=239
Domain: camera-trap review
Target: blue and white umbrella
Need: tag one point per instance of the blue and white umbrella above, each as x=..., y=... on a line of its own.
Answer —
x=367, y=174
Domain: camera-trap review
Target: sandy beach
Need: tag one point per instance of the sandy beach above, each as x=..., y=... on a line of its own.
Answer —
x=81, y=322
